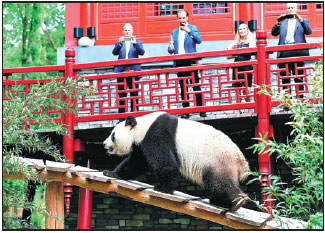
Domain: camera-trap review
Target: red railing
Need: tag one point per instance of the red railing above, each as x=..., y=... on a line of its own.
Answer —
x=158, y=88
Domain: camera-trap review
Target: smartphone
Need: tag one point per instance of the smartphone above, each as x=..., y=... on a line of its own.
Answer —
x=288, y=16
x=127, y=38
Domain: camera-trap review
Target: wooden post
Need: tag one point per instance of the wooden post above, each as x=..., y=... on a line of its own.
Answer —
x=54, y=205
x=263, y=127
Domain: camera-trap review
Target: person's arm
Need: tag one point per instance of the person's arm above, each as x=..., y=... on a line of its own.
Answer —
x=171, y=45
x=117, y=48
x=231, y=46
x=139, y=47
x=305, y=24
x=193, y=32
x=276, y=29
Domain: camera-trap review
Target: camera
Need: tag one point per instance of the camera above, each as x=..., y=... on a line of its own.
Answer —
x=288, y=16
x=127, y=38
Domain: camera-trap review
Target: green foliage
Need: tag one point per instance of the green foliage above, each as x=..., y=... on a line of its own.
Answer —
x=20, y=109
x=303, y=197
x=32, y=32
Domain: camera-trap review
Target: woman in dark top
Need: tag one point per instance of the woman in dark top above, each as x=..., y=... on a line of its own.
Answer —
x=243, y=39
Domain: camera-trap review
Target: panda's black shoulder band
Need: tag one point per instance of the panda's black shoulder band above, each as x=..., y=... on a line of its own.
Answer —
x=130, y=120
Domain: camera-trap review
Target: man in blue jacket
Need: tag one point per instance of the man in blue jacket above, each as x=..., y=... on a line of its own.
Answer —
x=292, y=29
x=126, y=48
x=184, y=40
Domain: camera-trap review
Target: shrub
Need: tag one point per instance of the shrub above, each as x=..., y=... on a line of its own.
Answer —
x=20, y=109
x=302, y=199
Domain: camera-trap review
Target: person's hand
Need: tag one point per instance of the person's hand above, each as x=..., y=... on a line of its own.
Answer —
x=282, y=17
x=133, y=40
x=171, y=46
x=185, y=28
x=121, y=39
x=297, y=16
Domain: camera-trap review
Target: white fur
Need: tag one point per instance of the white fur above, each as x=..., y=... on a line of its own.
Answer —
x=200, y=146
x=125, y=137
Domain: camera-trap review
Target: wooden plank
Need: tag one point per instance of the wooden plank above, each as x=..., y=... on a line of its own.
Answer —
x=128, y=185
x=55, y=205
x=38, y=163
x=144, y=185
x=208, y=207
x=77, y=169
x=251, y=217
x=96, y=175
x=285, y=223
x=57, y=166
x=186, y=196
x=151, y=192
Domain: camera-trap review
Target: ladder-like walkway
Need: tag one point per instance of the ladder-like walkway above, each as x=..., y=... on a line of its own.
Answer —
x=179, y=202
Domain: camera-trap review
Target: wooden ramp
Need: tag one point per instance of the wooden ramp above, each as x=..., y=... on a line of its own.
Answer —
x=179, y=202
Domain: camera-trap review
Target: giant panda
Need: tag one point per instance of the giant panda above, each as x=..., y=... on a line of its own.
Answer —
x=171, y=146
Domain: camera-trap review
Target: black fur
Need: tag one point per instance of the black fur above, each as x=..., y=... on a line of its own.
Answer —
x=132, y=166
x=223, y=188
x=130, y=120
x=157, y=151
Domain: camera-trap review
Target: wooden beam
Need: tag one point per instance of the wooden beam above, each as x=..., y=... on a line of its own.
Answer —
x=55, y=205
x=140, y=196
x=179, y=202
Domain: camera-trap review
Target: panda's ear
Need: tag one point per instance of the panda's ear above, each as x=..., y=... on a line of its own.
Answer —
x=130, y=120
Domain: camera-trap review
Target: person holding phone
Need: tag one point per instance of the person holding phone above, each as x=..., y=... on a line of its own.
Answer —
x=183, y=40
x=292, y=29
x=127, y=47
x=244, y=38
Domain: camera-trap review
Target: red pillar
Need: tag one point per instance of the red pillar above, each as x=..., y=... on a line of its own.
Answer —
x=244, y=12
x=87, y=18
x=84, y=207
x=84, y=210
x=263, y=114
x=69, y=122
x=85, y=15
x=85, y=195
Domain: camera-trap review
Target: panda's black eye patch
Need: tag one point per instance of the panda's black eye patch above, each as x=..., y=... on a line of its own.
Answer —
x=113, y=137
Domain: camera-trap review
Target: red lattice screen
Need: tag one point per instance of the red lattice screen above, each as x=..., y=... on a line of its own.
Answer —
x=161, y=91
x=119, y=10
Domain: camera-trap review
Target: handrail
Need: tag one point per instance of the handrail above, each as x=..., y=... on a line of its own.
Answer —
x=293, y=47
x=33, y=69
x=293, y=59
x=199, y=55
x=168, y=58
x=133, y=61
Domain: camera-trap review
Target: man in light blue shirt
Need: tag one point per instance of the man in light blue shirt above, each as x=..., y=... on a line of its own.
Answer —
x=183, y=40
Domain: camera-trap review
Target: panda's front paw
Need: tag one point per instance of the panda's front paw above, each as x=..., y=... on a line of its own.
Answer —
x=110, y=174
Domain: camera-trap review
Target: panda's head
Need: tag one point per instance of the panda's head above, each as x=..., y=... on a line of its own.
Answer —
x=121, y=139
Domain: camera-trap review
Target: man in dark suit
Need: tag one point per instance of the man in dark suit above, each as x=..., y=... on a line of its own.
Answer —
x=127, y=47
x=183, y=40
x=292, y=31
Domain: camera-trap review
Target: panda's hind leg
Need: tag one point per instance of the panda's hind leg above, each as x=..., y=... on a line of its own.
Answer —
x=167, y=179
x=224, y=189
